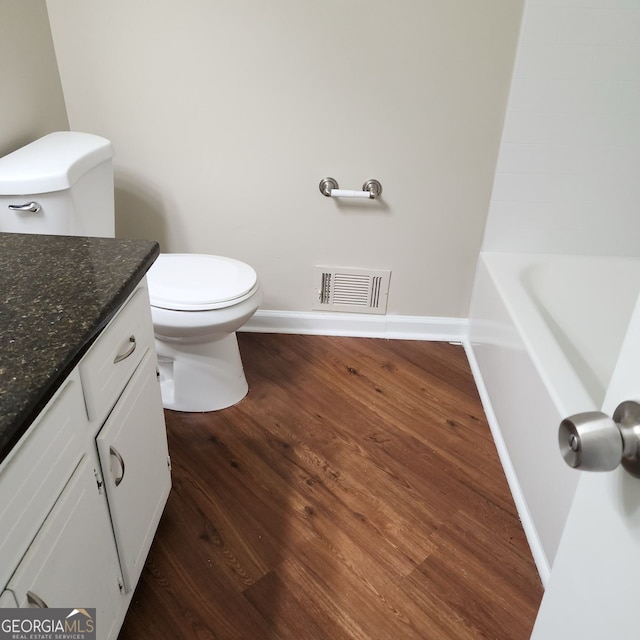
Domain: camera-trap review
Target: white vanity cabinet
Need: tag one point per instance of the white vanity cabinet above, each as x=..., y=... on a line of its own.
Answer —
x=82, y=493
x=124, y=405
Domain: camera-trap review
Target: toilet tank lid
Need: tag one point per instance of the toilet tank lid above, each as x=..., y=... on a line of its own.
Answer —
x=52, y=163
x=198, y=282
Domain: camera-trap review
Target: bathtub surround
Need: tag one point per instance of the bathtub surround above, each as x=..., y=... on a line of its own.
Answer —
x=567, y=173
x=565, y=183
x=32, y=103
x=226, y=115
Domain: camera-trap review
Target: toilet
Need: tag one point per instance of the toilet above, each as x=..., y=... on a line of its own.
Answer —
x=62, y=184
x=198, y=302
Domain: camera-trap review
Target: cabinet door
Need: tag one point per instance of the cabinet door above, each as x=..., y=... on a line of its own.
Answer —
x=132, y=446
x=7, y=601
x=72, y=562
x=33, y=477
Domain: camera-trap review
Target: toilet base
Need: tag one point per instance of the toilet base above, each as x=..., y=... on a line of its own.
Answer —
x=201, y=377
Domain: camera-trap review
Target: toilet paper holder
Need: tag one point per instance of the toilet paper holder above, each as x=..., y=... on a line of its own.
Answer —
x=329, y=187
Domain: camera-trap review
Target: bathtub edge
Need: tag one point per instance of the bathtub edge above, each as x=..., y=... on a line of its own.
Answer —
x=530, y=531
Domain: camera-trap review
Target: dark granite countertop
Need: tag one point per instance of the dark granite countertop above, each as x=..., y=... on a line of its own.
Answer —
x=56, y=294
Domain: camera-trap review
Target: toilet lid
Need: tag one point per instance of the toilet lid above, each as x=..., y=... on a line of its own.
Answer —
x=197, y=282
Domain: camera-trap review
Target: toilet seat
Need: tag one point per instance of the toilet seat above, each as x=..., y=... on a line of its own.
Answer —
x=199, y=282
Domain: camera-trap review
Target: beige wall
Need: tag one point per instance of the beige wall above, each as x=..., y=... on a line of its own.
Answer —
x=32, y=104
x=225, y=115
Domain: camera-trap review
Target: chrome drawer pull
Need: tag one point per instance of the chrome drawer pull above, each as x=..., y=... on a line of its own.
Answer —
x=123, y=356
x=116, y=454
x=36, y=601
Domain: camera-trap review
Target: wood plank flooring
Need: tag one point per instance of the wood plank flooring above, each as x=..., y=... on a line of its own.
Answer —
x=355, y=493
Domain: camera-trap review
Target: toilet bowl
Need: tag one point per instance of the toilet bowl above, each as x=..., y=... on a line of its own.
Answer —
x=198, y=302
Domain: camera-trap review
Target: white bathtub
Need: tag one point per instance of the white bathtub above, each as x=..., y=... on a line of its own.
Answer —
x=545, y=332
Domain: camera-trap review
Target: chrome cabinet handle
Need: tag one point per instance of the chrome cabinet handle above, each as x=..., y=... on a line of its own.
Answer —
x=31, y=207
x=116, y=454
x=36, y=601
x=593, y=441
x=123, y=356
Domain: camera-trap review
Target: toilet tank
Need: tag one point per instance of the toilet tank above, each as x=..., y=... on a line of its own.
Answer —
x=61, y=184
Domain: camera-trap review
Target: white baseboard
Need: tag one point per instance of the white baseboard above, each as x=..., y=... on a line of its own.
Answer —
x=530, y=531
x=358, y=325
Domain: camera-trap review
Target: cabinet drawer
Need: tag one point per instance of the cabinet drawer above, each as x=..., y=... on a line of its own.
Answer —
x=112, y=359
x=34, y=475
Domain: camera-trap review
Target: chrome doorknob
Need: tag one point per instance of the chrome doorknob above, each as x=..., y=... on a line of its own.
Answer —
x=592, y=441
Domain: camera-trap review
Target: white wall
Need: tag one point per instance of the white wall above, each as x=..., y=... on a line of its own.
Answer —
x=225, y=116
x=32, y=104
x=568, y=174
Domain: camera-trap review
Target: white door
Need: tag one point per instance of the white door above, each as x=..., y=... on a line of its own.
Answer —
x=594, y=589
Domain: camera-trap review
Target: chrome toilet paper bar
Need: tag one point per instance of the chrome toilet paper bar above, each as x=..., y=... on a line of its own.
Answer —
x=329, y=187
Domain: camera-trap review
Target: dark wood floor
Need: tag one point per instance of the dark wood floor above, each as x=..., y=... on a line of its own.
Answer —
x=354, y=493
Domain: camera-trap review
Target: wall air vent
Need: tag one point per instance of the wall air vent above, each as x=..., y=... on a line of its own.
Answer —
x=355, y=290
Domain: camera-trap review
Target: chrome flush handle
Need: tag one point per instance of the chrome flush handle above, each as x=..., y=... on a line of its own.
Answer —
x=30, y=207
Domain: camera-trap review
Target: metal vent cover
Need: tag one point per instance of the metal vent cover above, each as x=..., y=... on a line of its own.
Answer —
x=351, y=289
